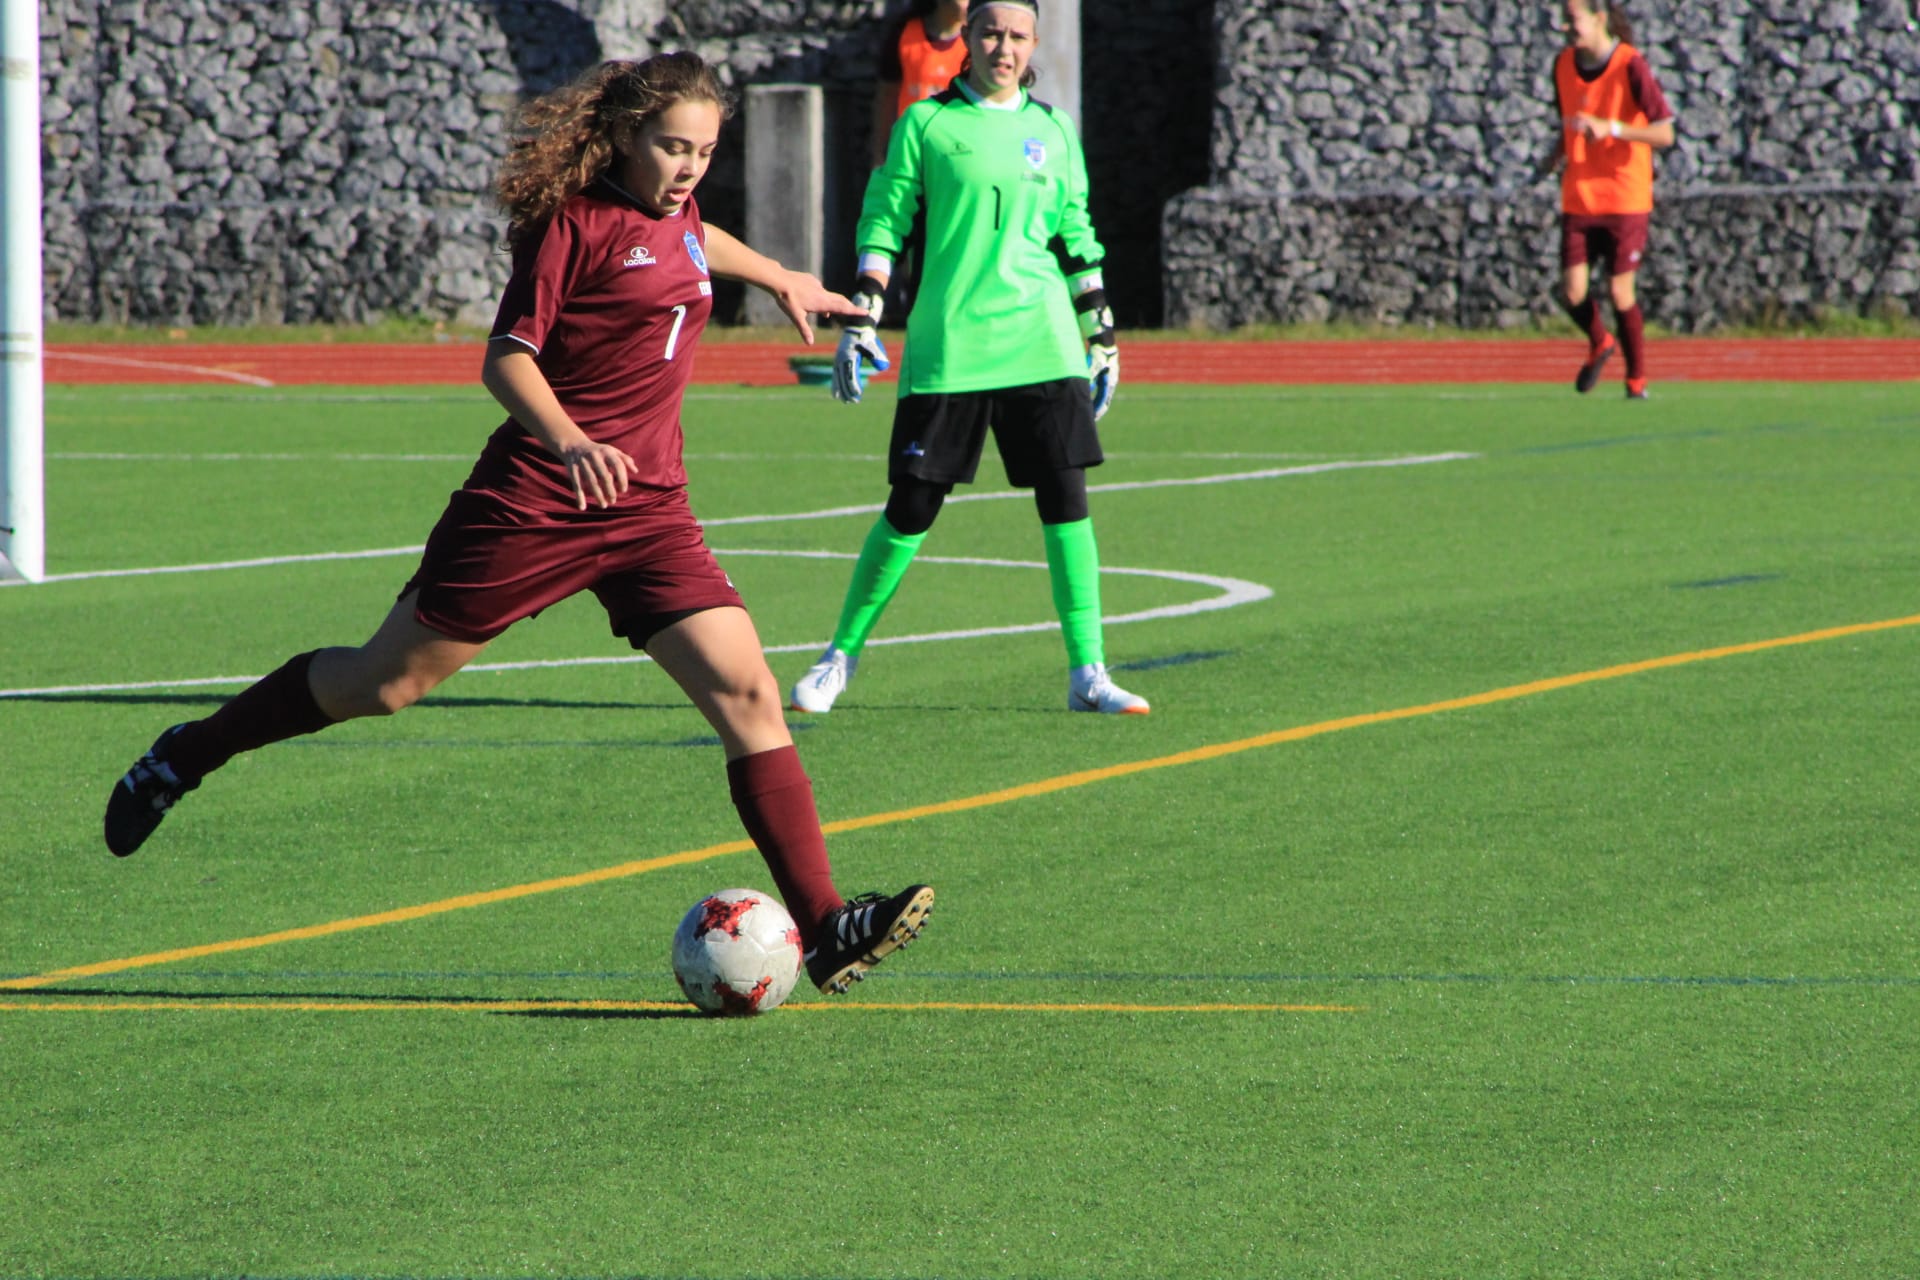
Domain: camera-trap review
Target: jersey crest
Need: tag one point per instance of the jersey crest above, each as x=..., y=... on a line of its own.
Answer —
x=1035, y=152
x=695, y=252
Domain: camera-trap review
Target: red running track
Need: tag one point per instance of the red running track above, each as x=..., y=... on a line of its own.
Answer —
x=765, y=364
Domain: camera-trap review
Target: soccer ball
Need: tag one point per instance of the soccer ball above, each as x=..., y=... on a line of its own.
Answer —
x=737, y=953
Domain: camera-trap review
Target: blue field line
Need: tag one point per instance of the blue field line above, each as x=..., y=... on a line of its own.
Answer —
x=1735, y=580
x=1172, y=660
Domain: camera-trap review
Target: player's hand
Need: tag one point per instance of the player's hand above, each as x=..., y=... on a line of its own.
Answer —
x=859, y=346
x=1593, y=128
x=598, y=472
x=1103, y=374
x=1103, y=356
x=802, y=295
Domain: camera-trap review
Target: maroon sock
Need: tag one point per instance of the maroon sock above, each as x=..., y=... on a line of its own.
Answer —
x=278, y=707
x=1633, y=340
x=775, y=800
x=1587, y=315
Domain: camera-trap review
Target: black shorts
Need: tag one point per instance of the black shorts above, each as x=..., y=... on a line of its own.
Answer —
x=1041, y=428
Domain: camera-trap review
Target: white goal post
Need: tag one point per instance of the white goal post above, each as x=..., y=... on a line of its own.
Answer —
x=23, y=551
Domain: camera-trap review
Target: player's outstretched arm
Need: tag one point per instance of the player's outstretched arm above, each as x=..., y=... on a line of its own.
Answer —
x=798, y=293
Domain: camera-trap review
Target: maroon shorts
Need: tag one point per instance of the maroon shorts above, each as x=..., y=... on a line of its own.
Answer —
x=1620, y=238
x=489, y=563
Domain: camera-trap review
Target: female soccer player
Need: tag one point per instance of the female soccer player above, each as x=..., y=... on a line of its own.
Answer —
x=1612, y=116
x=582, y=488
x=1010, y=317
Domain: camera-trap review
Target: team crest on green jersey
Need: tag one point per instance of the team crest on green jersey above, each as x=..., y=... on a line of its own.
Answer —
x=1035, y=151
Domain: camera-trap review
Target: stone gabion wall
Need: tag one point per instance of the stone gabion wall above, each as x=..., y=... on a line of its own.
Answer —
x=1375, y=160
x=229, y=161
x=234, y=161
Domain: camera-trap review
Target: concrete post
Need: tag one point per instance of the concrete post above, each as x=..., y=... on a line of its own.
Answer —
x=786, y=183
x=1058, y=58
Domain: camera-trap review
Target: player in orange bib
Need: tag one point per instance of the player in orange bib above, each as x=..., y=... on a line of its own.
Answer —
x=1612, y=119
x=922, y=53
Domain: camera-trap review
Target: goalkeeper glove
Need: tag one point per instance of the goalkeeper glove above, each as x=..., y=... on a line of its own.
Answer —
x=1103, y=357
x=860, y=341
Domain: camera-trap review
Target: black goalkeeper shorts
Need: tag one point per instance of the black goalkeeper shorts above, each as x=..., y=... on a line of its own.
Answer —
x=1041, y=428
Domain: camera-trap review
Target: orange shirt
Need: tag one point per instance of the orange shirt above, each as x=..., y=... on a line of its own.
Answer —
x=926, y=67
x=1608, y=175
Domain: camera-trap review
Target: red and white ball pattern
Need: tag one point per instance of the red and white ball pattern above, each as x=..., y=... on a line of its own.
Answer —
x=737, y=953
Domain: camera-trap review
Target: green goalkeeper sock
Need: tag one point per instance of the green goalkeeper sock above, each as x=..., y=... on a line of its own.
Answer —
x=883, y=562
x=1073, y=564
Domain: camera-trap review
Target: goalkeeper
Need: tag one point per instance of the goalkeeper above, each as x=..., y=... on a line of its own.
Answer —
x=1010, y=332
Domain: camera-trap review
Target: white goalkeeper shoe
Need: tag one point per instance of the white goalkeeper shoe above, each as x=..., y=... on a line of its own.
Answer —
x=1089, y=688
x=824, y=681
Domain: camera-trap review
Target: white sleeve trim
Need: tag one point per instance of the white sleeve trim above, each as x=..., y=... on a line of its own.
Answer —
x=510, y=337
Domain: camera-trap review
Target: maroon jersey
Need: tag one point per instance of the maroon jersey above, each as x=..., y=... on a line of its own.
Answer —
x=610, y=299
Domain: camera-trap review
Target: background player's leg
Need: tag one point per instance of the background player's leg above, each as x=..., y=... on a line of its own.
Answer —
x=1073, y=562
x=1632, y=326
x=884, y=558
x=1073, y=570
x=715, y=657
x=1577, y=297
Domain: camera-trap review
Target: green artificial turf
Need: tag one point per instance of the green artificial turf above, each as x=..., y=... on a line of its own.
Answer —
x=1610, y=977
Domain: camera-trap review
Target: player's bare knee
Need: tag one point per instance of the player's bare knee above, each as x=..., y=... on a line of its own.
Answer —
x=749, y=700
x=398, y=693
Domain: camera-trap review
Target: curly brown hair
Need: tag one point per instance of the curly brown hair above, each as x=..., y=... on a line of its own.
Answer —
x=563, y=140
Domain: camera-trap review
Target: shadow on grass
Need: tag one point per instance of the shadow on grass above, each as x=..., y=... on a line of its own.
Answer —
x=221, y=699
x=479, y=1003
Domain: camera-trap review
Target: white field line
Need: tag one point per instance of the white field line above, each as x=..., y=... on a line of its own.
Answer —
x=866, y=509
x=216, y=566
x=1270, y=473
x=1232, y=591
x=127, y=362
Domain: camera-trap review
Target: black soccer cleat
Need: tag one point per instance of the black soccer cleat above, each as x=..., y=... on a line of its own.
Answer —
x=864, y=932
x=1596, y=361
x=142, y=797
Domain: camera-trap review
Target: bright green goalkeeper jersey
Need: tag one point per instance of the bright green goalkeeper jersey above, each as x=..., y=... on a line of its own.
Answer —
x=1005, y=192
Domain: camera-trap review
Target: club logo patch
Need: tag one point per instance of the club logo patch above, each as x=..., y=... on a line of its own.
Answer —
x=1035, y=152
x=639, y=256
x=695, y=252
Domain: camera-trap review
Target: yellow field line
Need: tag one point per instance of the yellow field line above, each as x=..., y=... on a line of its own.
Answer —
x=135, y=1005
x=1044, y=786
